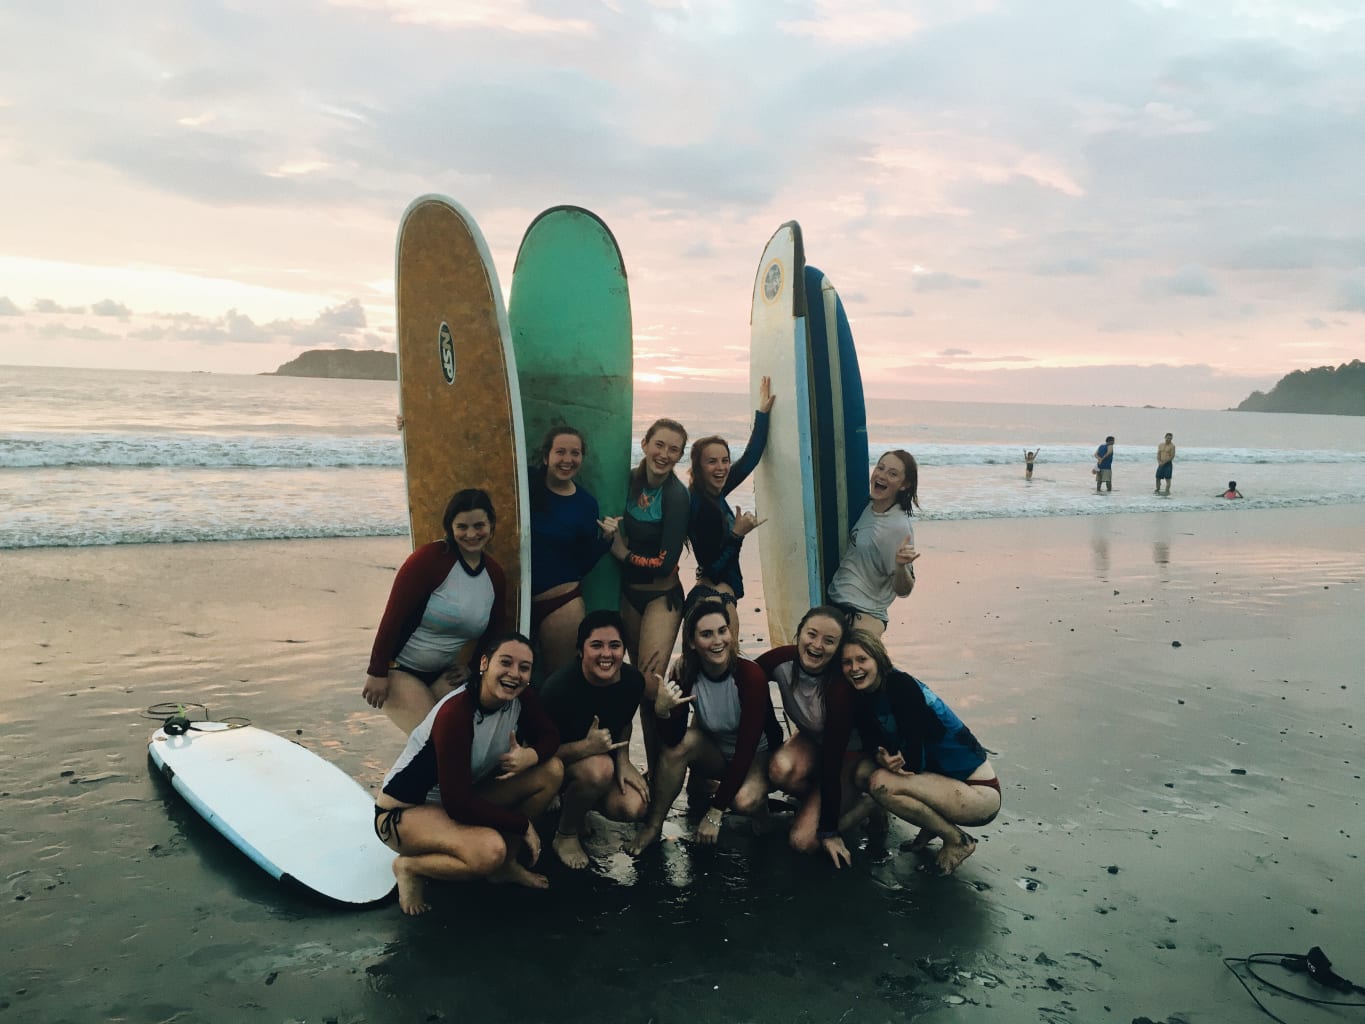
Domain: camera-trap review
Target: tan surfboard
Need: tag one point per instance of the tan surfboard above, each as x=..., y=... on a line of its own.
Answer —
x=457, y=383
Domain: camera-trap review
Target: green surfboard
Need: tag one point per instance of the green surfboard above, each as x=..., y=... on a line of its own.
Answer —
x=569, y=313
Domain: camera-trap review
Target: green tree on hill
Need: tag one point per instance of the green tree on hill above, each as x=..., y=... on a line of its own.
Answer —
x=1324, y=389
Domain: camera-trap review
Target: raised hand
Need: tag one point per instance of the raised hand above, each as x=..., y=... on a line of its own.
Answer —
x=745, y=522
x=670, y=698
x=517, y=759
x=765, y=395
x=598, y=739
x=906, y=553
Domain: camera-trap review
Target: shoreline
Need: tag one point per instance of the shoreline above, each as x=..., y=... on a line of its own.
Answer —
x=1220, y=778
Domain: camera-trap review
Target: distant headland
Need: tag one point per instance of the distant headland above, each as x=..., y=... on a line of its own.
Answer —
x=1324, y=389
x=344, y=363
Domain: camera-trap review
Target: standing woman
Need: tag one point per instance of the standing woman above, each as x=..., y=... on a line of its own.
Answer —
x=715, y=530
x=729, y=737
x=493, y=785
x=568, y=536
x=815, y=764
x=447, y=596
x=928, y=768
x=648, y=542
x=879, y=564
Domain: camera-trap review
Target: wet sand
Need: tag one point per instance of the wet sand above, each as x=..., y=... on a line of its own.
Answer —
x=1165, y=805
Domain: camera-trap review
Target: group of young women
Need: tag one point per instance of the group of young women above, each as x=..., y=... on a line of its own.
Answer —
x=866, y=739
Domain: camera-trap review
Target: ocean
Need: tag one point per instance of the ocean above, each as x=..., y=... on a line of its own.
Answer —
x=92, y=456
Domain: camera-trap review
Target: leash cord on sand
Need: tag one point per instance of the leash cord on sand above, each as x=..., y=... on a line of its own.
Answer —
x=174, y=716
x=1296, y=962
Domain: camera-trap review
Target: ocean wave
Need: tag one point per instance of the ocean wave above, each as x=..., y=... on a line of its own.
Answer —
x=149, y=451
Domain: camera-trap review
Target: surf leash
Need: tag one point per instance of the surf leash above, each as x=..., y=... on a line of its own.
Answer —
x=1314, y=963
x=175, y=719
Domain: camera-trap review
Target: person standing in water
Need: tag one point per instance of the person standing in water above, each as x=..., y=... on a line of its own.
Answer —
x=1028, y=463
x=1165, y=458
x=878, y=566
x=1104, y=465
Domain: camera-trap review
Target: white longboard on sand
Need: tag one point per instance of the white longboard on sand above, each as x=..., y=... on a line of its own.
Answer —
x=300, y=818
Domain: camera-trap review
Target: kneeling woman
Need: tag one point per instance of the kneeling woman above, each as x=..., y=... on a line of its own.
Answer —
x=929, y=769
x=816, y=764
x=492, y=786
x=730, y=738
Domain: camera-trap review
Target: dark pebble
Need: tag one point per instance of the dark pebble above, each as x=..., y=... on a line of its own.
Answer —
x=1113, y=869
x=1054, y=984
x=270, y=978
x=1044, y=959
x=67, y=775
x=1169, y=785
x=1175, y=643
x=1239, y=771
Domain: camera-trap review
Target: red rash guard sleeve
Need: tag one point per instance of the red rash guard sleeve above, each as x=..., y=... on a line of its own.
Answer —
x=833, y=746
x=453, y=735
x=422, y=573
x=536, y=726
x=777, y=656
x=754, y=705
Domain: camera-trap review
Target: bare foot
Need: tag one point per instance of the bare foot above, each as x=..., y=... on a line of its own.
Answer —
x=920, y=842
x=950, y=858
x=513, y=873
x=410, y=888
x=570, y=851
x=644, y=839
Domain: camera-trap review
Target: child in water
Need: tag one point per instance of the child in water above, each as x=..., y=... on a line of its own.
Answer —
x=1028, y=463
x=1232, y=491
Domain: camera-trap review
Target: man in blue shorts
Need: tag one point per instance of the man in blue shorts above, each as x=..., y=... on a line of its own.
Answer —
x=1104, y=464
x=1165, y=457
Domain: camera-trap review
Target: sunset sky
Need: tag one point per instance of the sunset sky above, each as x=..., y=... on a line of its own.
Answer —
x=1082, y=201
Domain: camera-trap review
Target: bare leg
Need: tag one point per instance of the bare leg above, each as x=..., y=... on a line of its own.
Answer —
x=752, y=797
x=408, y=701
x=939, y=805
x=868, y=623
x=586, y=783
x=658, y=633
x=433, y=846
x=731, y=607
x=558, y=634
x=694, y=749
x=528, y=792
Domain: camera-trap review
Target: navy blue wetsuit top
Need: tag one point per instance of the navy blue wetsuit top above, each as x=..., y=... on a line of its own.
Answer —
x=906, y=716
x=565, y=540
x=711, y=522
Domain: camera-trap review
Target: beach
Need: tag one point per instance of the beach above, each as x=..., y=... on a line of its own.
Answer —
x=1172, y=702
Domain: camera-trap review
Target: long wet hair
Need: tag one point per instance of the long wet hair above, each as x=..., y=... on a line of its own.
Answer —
x=909, y=706
x=695, y=484
x=691, y=660
x=467, y=500
x=637, y=475
x=908, y=496
x=540, y=472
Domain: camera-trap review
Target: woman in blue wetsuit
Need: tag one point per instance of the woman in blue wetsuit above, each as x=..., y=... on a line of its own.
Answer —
x=924, y=765
x=568, y=536
x=715, y=530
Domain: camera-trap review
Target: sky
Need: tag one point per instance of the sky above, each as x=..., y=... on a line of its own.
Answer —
x=1069, y=201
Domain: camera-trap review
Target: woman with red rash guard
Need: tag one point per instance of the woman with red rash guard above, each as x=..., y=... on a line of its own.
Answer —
x=447, y=598
x=649, y=540
x=491, y=748
x=927, y=768
x=729, y=738
x=817, y=762
x=568, y=536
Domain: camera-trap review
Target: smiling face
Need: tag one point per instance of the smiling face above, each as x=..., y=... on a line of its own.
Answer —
x=564, y=459
x=887, y=480
x=817, y=643
x=711, y=640
x=662, y=451
x=603, y=652
x=860, y=669
x=471, y=531
x=714, y=465
x=506, y=672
